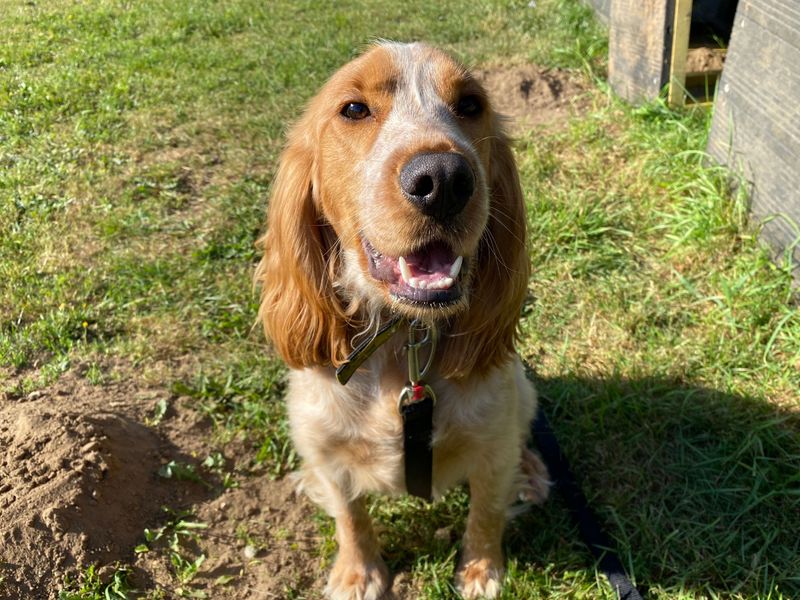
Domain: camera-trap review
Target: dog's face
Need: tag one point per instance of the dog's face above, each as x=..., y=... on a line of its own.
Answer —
x=397, y=191
x=404, y=137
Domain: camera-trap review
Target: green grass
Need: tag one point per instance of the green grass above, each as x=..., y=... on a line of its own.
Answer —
x=89, y=585
x=137, y=145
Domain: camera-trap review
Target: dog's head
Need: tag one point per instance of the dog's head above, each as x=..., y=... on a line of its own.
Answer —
x=397, y=192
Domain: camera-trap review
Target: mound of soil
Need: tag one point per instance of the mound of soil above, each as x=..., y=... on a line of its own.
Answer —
x=78, y=484
x=531, y=96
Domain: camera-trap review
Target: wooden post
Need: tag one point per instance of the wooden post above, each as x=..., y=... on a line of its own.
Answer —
x=639, y=43
x=680, y=46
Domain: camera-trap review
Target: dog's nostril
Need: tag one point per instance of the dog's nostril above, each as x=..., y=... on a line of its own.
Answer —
x=423, y=186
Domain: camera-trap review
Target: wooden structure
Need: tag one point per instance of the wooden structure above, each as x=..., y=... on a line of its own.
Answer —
x=756, y=125
x=657, y=45
x=640, y=42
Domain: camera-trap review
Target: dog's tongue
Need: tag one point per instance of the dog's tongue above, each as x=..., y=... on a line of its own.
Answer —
x=433, y=267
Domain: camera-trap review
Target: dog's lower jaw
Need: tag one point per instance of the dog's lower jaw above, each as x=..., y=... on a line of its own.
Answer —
x=359, y=572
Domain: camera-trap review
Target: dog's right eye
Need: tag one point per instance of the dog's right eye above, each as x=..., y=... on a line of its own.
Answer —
x=355, y=111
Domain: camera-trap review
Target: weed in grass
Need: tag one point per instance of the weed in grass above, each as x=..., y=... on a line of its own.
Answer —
x=89, y=586
x=182, y=472
x=216, y=463
x=179, y=538
x=159, y=412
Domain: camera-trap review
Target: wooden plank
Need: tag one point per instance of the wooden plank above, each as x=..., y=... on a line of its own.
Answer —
x=682, y=24
x=756, y=125
x=639, y=42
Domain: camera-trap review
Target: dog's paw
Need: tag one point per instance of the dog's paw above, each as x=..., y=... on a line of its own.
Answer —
x=536, y=486
x=350, y=580
x=479, y=578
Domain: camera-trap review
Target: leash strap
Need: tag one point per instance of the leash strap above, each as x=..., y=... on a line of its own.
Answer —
x=593, y=535
x=418, y=455
x=366, y=349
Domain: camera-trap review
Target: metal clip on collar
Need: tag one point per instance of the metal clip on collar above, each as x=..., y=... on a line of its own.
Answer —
x=419, y=336
x=431, y=336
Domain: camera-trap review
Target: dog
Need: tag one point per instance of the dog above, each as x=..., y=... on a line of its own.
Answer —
x=397, y=195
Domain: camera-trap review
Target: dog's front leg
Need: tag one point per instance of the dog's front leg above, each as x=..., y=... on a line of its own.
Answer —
x=359, y=572
x=480, y=573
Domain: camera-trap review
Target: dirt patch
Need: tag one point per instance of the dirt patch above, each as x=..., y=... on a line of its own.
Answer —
x=258, y=543
x=79, y=484
x=532, y=97
x=78, y=481
x=703, y=60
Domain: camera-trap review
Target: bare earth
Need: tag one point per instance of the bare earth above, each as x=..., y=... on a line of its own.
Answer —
x=532, y=97
x=79, y=462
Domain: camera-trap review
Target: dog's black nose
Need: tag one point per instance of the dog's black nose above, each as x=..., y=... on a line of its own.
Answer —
x=439, y=184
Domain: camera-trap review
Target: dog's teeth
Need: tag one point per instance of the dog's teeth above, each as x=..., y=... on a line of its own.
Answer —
x=413, y=282
x=405, y=270
x=422, y=284
x=456, y=268
x=446, y=283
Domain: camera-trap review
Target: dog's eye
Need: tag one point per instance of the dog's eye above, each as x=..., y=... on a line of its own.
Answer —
x=355, y=111
x=468, y=106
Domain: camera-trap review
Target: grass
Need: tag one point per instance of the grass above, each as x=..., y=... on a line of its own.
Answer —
x=137, y=146
x=90, y=586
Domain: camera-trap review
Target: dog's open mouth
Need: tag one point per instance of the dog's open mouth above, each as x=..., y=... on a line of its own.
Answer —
x=429, y=275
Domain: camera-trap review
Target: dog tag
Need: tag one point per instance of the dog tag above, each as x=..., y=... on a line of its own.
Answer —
x=416, y=408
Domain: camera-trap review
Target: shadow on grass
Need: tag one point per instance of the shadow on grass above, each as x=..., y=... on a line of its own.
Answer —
x=699, y=489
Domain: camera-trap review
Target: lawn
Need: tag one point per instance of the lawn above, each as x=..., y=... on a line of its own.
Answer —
x=138, y=141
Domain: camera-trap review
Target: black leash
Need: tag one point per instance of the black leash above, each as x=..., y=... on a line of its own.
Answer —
x=593, y=535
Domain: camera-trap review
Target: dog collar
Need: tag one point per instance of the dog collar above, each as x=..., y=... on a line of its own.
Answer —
x=415, y=403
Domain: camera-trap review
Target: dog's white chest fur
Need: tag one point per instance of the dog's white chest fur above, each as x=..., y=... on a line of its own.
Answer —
x=357, y=432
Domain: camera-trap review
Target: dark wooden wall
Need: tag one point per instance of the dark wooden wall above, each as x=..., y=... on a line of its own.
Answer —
x=756, y=125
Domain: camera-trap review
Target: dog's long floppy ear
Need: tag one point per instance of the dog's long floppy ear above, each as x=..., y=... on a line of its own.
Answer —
x=299, y=309
x=484, y=336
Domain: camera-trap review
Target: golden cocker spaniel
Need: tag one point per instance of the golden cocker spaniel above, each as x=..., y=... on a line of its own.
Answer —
x=397, y=196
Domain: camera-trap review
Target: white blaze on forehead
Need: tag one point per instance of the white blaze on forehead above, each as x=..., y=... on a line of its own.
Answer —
x=418, y=112
x=417, y=104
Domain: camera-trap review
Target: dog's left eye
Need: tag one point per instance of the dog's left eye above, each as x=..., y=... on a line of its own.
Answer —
x=355, y=111
x=468, y=106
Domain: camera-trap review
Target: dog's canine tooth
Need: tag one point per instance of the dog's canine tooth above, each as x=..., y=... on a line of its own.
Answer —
x=456, y=268
x=405, y=270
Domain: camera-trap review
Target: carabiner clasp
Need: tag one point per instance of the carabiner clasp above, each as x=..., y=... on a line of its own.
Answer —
x=420, y=335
